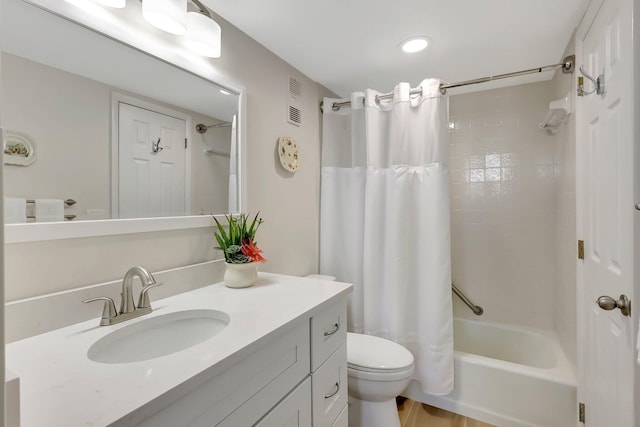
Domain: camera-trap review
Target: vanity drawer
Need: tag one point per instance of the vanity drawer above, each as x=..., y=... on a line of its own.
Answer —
x=261, y=378
x=293, y=411
x=329, y=389
x=328, y=332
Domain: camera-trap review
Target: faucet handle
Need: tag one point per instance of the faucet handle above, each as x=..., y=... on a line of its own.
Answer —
x=143, y=301
x=108, y=311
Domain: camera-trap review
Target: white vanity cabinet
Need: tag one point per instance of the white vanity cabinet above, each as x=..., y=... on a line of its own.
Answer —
x=280, y=361
x=275, y=385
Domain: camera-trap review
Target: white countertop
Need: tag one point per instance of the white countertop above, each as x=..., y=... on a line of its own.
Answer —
x=60, y=386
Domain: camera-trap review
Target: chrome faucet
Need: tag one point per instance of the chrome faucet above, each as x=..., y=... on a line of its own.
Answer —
x=128, y=308
x=127, y=305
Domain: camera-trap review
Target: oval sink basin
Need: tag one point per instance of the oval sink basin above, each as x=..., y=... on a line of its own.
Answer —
x=158, y=336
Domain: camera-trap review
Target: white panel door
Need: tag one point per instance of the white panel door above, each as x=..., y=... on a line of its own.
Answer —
x=605, y=217
x=151, y=164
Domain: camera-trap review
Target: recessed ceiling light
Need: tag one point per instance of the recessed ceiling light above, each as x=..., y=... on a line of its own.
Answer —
x=414, y=44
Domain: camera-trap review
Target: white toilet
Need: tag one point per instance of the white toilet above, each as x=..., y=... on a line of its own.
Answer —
x=378, y=370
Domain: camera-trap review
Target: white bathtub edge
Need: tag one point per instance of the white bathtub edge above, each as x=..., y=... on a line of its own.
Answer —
x=560, y=374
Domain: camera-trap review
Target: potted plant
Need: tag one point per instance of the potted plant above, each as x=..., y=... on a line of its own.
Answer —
x=241, y=252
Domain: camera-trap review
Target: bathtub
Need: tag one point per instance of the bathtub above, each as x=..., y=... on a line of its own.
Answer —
x=508, y=376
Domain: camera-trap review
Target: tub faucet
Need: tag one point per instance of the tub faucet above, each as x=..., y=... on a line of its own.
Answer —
x=128, y=308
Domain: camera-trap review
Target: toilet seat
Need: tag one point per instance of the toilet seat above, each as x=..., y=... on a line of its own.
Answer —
x=380, y=376
x=369, y=356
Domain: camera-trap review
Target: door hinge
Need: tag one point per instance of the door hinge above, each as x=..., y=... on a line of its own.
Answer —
x=185, y=143
x=580, y=249
x=581, y=412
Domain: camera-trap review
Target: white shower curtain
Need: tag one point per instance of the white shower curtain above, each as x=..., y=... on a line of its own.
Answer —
x=385, y=221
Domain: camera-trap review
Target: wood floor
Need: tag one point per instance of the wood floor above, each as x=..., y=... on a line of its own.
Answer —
x=416, y=414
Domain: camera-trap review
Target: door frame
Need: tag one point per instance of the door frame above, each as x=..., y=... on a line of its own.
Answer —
x=583, y=28
x=116, y=99
x=636, y=217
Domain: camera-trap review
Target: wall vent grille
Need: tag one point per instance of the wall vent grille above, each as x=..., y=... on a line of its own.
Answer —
x=294, y=116
x=295, y=88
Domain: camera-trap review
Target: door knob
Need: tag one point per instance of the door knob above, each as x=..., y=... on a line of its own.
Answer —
x=608, y=303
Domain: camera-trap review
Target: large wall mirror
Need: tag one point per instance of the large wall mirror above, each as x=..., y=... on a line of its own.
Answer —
x=111, y=130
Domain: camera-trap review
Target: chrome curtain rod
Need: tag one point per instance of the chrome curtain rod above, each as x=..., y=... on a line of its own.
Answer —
x=202, y=128
x=567, y=65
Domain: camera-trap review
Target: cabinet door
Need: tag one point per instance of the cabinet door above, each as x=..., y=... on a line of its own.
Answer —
x=293, y=411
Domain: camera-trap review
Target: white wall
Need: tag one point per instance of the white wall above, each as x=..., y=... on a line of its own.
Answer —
x=288, y=203
x=502, y=202
x=69, y=164
x=565, y=223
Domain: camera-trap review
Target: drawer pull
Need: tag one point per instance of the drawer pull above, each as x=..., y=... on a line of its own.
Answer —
x=327, y=396
x=336, y=328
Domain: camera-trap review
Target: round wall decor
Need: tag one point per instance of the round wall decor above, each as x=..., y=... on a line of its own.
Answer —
x=288, y=152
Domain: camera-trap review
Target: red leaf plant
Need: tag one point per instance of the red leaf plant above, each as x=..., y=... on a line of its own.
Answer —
x=250, y=249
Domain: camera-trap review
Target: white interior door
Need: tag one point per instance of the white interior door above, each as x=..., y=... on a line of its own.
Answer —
x=605, y=216
x=151, y=163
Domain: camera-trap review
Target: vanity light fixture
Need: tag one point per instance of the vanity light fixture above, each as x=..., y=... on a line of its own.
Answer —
x=168, y=15
x=203, y=33
x=414, y=44
x=225, y=92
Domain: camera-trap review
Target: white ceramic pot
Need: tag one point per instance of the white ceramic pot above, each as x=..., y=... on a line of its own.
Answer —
x=240, y=275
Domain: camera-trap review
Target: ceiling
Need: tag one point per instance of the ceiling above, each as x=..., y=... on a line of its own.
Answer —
x=349, y=45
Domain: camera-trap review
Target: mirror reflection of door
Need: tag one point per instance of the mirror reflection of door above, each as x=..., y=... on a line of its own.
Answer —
x=152, y=164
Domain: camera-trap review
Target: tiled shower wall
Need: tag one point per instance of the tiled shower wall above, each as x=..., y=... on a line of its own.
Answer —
x=503, y=204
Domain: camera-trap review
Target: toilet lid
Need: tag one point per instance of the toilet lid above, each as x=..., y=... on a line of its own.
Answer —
x=369, y=353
